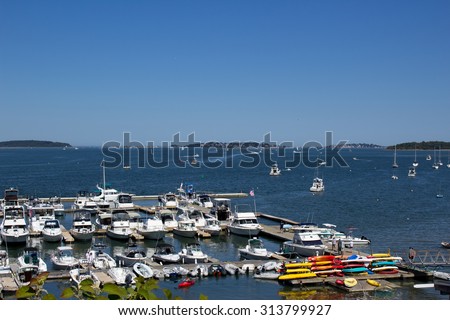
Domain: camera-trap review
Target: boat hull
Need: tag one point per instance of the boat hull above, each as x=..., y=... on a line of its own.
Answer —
x=246, y=232
x=82, y=235
x=152, y=235
x=185, y=233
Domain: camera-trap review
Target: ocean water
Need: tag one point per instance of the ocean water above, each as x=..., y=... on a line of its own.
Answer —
x=361, y=197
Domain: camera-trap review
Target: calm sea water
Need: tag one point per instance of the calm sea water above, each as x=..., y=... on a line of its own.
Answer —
x=362, y=197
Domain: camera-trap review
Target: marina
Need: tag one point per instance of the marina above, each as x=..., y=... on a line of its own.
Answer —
x=279, y=219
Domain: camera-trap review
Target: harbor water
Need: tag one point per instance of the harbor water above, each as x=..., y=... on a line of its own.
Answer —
x=361, y=198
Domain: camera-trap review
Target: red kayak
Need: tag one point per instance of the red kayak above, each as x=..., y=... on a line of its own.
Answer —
x=322, y=258
x=340, y=282
x=186, y=284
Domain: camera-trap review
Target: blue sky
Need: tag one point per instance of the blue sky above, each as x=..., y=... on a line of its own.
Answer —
x=84, y=72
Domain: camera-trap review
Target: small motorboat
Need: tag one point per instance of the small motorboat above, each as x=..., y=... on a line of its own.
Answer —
x=186, y=283
x=217, y=270
x=445, y=244
x=143, y=270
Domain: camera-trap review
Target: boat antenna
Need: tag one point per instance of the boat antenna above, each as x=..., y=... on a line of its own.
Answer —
x=104, y=174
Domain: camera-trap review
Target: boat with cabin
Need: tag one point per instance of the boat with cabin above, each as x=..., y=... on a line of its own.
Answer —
x=13, y=228
x=305, y=244
x=317, y=185
x=274, y=170
x=165, y=254
x=204, y=200
x=52, y=231
x=244, y=222
x=185, y=228
x=131, y=255
x=169, y=200
x=82, y=227
x=192, y=253
x=152, y=228
x=255, y=250
x=120, y=226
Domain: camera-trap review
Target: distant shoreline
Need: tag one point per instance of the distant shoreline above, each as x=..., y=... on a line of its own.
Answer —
x=33, y=144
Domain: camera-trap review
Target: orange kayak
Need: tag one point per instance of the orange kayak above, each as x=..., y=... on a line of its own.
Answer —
x=322, y=258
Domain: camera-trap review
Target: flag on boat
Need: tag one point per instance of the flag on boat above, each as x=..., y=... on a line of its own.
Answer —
x=252, y=193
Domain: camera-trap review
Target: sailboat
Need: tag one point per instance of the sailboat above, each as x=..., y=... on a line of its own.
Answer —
x=448, y=161
x=415, y=162
x=435, y=164
x=395, y=165
x=440, y=161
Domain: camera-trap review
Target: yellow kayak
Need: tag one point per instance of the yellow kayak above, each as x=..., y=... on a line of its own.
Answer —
x=297, y=270
x=380, y=255
x=350, y=282
x=294, y=276
x=298, y=265
x=373, y=282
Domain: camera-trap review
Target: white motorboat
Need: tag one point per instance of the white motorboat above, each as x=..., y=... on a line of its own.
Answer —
x=143, y=270
x=152, y=228
x=412, y=172
x=305, y=244
x=192, y=253
x=31, y=258
x=106, y=197
x=165, y=254
x=98, y=258
x=204, y=200
x=198, y=217
x=5, y=267
x=120, y=226
x=328, y=232
x=40, y=213
x=317, y=185
x=122, y=276
x=167, y=217
x=169, y=200
x=212, y=226
x=56, y=203
x=84, y=201
x=131, y=255
x=52, y=231
x=185, y=228
x=255, y=250
x=244, y=222
x=78, y=275
x=274, y=170
x=64, y=258
x=124, y=201
x=82, y=227
x=13, y=228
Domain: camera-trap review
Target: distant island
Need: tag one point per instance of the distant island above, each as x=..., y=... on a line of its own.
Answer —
x=424, y=145
x=33, y=144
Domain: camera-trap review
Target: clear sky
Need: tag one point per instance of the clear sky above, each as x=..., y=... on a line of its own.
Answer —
x=84, y=72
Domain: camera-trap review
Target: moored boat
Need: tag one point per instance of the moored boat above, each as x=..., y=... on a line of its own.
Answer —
x=255, y=250
x=52, y=231
x=63, y=258
x=143, y=270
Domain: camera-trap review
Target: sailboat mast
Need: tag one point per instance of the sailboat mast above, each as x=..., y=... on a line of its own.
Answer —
x=104, y=175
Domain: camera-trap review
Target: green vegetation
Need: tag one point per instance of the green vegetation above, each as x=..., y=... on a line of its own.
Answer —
x=424, y=145
x=145, y=289
x=32, y=144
